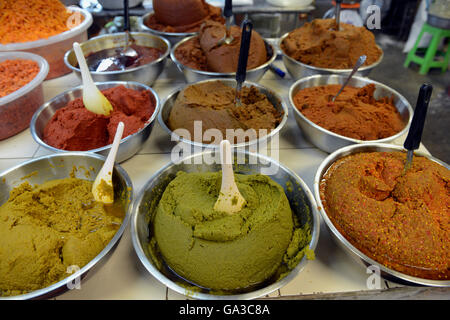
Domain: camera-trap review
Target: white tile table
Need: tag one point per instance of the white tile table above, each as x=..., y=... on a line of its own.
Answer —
x=123, y=277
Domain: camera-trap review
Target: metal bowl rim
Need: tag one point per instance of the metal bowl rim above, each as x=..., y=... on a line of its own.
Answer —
x=143, y=26
x=114, y=240
x=128, y=70
x=215, y=146
x=353, y=149
x=220, y=74
x=78, y=88
x=329, y=70
x=249, y=295
x=364, y=80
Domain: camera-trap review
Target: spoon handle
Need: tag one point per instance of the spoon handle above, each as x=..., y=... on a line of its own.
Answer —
x=105, y=173
x=414, y=137
x=85, y=73
x=241, y=73
x=126, y=16
x=277, y=71
x=228, y=14
x=225, y=160
x=338, y=14
x=109, y=162
x=358, y=64
x=228, y=9
x=230, y=200
x=228, y=186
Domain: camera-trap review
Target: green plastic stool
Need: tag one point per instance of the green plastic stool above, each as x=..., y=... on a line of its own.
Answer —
x=428, y=60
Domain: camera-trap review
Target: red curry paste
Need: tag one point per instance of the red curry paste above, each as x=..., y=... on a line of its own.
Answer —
x=77, y=129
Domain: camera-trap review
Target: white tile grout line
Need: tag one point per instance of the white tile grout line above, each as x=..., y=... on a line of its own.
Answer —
x=284, y=148
x=34, y=154
x=151, y=153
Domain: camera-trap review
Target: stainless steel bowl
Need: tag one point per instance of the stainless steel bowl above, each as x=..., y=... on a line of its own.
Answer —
x=129, y=145
x=352, y=251
x=300, y=198
x=273, y=97
x=60, y=166
x=173, y=37
x=146, y=74
x=329, y=141
x=299, y=70
x=193, y=75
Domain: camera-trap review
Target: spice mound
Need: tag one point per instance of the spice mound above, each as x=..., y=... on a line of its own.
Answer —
x=75, y=128
x=213, y=104
x=14, y=74
x=46, y=229
x=177, y=16
x=23, y=20
x=203, y=53
x=355, y=113
x=227, y=252
x=319, y=44
x=400, y=219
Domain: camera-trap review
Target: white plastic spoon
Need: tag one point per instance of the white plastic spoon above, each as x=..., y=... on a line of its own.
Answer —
x=93, y=99
x=102, y=188
x=230, y=199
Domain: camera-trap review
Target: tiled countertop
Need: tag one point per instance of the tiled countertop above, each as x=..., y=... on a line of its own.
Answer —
x=122, y=276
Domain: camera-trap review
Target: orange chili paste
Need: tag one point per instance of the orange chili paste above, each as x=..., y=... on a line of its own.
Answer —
x=400, y=219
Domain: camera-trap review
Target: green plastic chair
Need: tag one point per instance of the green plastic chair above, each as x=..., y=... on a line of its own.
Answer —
x=428, y=61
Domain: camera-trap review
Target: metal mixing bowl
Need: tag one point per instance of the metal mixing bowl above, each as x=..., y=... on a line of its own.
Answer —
x=351, y=250
x=273, y=97
x=300, y=198
x=173, y=37
x=129, y=145
x=60, y=166
x=329, y=141
x=193, y=75
x=299, y=70
x=146, y=74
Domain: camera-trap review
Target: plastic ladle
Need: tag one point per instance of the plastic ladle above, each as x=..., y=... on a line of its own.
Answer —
x=230, y=199
x=228, y=14
x=93, y=99
x=358, y=64
x=102, y=189
x=414, y=137
x=241, y=72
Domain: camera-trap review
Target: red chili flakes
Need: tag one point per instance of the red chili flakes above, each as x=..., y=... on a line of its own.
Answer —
x=14, y=74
